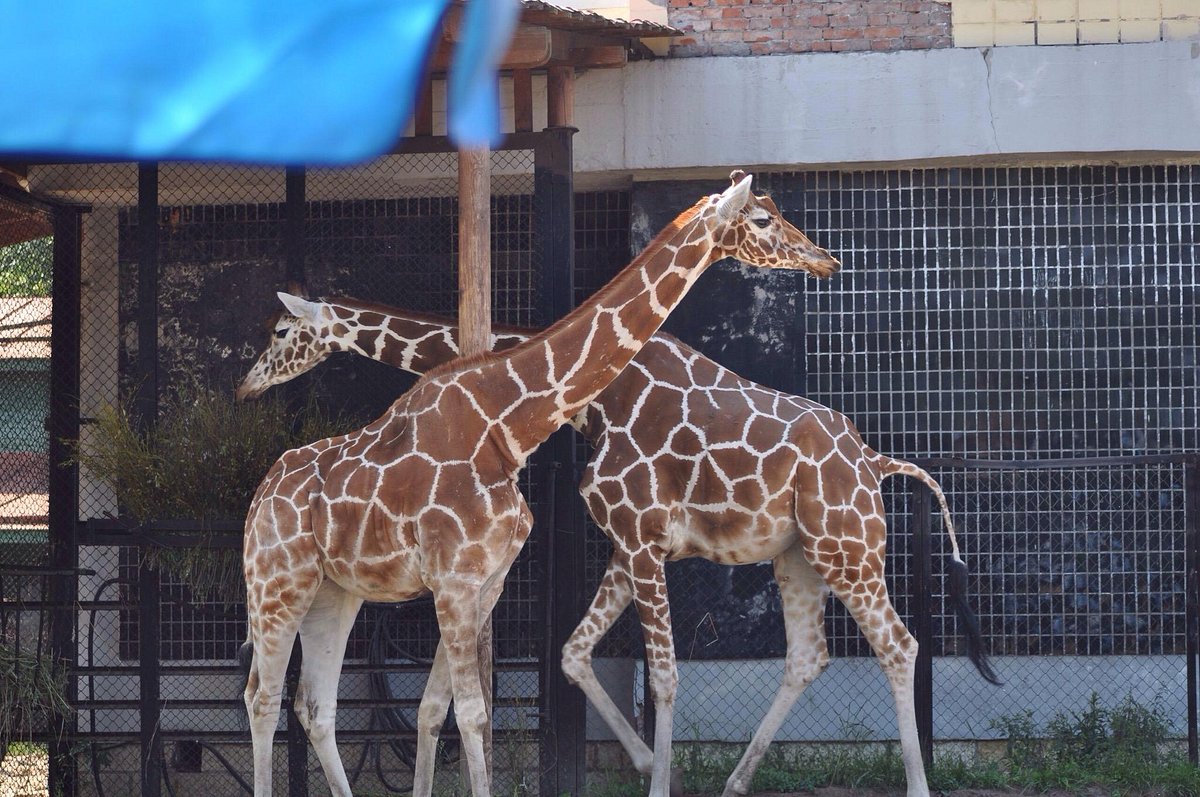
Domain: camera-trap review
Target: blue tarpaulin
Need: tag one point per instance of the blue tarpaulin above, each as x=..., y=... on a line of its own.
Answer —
x=305, y=81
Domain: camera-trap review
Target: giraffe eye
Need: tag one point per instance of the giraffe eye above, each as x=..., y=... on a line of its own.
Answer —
x=281, y=333
x=762, y=223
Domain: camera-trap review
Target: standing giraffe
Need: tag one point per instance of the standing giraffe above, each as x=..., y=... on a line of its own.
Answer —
x=425, y=499
x=762, y=445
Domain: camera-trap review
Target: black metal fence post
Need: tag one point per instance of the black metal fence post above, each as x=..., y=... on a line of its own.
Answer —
x=149, y=611
x=295, y=218
x=150, y=705
x=147, y=293
x=564, y=708
x=920, y=588
x=62, y=479
x=1191, y=487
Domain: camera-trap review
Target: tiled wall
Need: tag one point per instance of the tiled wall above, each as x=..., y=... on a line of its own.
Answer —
x=984, y=23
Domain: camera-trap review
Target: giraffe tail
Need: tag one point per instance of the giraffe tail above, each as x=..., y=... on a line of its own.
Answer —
x=245, y=658
x=957, y=571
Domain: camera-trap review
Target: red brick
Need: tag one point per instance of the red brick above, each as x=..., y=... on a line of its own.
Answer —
x=885, y=44
x=729, y=24
x=883, y=33
x=819, y=21
x=802, y=34
x=821, y=47
x=877, y=19
x=750, y=36
x=847, y=45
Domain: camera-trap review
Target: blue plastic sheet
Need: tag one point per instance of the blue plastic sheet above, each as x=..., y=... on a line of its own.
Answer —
x=302, y=81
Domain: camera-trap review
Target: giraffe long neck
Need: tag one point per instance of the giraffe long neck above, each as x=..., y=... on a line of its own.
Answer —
x=548, y=379
x=413, y=342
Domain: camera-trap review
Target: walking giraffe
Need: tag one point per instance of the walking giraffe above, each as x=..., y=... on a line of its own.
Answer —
x=424, y=499
x=653, y=422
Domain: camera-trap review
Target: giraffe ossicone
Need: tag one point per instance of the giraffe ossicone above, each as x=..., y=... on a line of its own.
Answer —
x=424, y=500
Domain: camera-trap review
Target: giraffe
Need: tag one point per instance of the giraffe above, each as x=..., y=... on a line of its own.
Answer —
x=654, y=422
x=424, y=499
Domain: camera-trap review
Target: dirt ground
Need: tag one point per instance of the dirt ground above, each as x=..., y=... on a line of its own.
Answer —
x=843, y=792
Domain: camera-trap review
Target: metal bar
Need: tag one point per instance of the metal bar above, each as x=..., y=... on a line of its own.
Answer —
x=167, y=671
x=429, y=144
x=1054, y=464
x=295, y=218
x=564, y=728
x=1191, y=486
x=63, y=426
x=147, y=292
x=236, y=702
x=920, y=610
x=297, y=740
x=148, y=683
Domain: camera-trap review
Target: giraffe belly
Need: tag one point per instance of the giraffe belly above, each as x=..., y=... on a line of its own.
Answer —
x=386, y=580
x=726, y=540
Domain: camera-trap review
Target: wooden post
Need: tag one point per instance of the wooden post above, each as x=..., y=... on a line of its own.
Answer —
x=474, y=251
x=560, y=96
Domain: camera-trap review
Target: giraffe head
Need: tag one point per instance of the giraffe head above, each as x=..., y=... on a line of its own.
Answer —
x=297, y=343
x=751, y=229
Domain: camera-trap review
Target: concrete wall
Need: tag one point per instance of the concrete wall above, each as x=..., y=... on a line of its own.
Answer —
x=723, y=701
x=869, y=108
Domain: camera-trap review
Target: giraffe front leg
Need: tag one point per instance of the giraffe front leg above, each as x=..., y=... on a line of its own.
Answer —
x=612, y=596
x=459, y=620
x=435, y=703
x=803, y=594
x=654, y=611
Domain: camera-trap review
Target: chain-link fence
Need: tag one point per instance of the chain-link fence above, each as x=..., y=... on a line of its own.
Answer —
x=225, y=242
x=1015, y=314
x=28, y=681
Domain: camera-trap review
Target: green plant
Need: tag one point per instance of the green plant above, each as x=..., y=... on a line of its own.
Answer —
x=25, y=268
x=1120, y=749
x=32, y=691
x=1020, y=733
x=201, y=462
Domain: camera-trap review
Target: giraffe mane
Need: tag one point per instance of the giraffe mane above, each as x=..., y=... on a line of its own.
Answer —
x=599, y=297
x=365, y=305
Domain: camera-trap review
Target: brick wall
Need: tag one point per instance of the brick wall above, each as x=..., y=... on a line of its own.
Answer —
x=759, y=27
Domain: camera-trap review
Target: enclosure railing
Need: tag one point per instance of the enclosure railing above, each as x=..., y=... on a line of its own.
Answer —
x=921, y=586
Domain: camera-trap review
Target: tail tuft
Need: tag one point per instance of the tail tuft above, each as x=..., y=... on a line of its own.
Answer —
x=969, y=623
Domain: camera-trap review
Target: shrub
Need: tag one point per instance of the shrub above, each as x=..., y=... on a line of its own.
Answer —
x=200, y=463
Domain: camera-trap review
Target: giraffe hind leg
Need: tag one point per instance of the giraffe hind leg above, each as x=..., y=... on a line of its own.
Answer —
x=264, y=693
x=803, y=594
x=858, y=582
x=323, y=635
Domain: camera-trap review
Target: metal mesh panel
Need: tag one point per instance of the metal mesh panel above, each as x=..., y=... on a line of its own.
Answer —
x=26, y=266
x=999, y=313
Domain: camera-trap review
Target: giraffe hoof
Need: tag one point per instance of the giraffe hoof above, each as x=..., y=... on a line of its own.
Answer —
x=676, y=782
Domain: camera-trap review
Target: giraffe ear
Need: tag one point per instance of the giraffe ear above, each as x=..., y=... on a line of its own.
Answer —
x=736, y=176
x=301, y=308
x=734, y=198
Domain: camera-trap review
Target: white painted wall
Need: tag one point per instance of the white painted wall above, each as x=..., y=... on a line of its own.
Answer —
x=874, y=108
